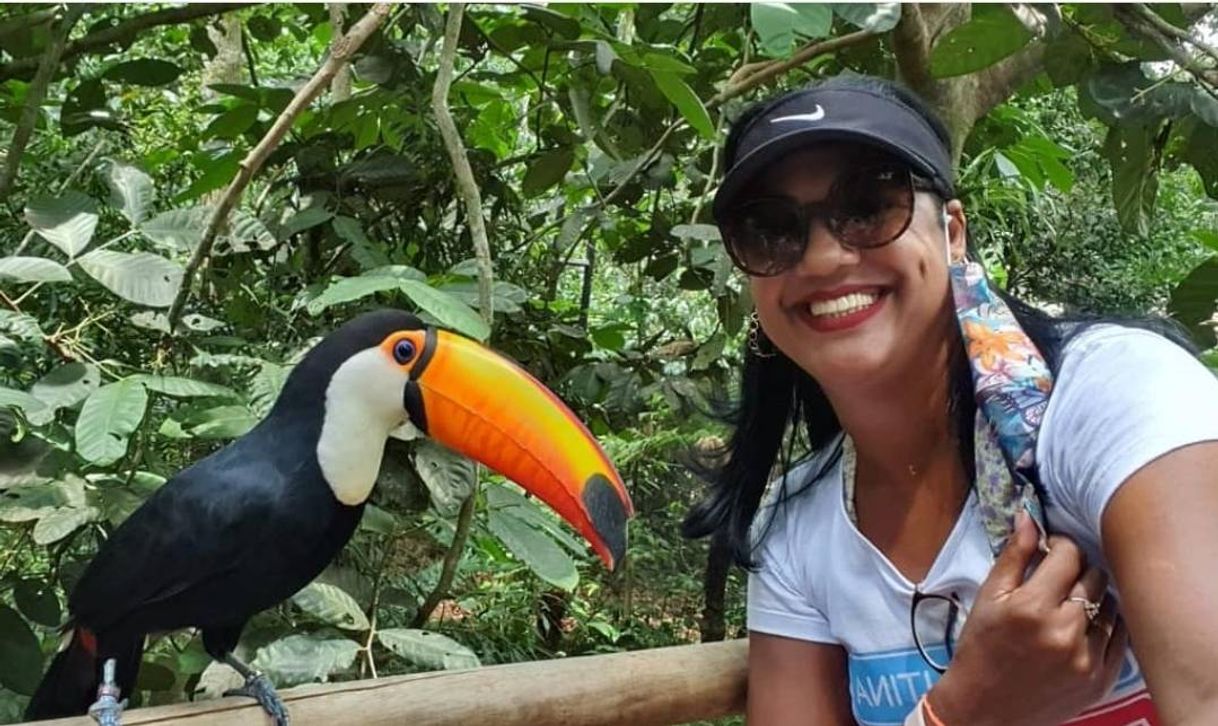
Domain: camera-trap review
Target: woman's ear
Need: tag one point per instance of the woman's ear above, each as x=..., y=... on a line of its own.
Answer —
x=957, y=229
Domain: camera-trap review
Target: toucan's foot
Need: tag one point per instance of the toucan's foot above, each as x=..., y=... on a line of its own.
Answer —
x=258, y=687
x=108, y=710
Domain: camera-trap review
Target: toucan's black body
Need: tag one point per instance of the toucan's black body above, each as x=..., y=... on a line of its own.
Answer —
x=234, y=534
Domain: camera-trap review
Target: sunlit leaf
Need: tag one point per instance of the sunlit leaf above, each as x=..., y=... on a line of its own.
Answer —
x=347, y=289
x=183, y=387
x=33, y=269
x=686, y=101
x=780, y=25
x=131, y=190
x=332, y=606
x=303, y=659
x=534, y=548
x=63, y=387
x=427, y=649
x=992, y=34
x=66, y=221
x=876, y=17
x=140, y=277
x=109, y=416
x=451, y=312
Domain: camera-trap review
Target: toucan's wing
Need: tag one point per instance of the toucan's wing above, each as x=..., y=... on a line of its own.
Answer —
x=202, y=526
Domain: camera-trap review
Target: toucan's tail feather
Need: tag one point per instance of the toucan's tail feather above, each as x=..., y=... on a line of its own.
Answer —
x=69, y=686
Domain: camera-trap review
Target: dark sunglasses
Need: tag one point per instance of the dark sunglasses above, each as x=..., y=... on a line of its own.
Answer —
x=866, y=207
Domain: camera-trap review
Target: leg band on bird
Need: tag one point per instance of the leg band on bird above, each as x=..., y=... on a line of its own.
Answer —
x=108, y=709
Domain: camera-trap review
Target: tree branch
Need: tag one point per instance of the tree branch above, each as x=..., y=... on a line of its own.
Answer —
x=996, y=83
x=911, y=45
x=340, y=56
x=340, y=87
x=125, y=32
x=773, y=69
x=472, y=198
x=33, y=97
x=1167, y=28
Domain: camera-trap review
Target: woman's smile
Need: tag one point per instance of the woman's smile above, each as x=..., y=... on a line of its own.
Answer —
x=841, y=309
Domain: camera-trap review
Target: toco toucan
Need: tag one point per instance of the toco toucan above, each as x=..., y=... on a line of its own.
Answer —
x=253, y=523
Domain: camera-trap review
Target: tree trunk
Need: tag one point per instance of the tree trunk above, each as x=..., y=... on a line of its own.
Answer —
x=340, y=87
x=228, y=66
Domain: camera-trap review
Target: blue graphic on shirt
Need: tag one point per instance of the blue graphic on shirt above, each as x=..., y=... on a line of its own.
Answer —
x=885, y=686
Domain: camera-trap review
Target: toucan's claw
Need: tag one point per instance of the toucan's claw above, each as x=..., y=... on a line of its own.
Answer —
x=258, y=687
x=108, y=710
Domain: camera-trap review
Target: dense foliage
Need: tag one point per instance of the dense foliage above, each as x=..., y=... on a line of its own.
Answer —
x=591, y=131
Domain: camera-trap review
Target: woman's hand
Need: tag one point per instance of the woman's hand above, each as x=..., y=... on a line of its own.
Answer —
x=1028, y=653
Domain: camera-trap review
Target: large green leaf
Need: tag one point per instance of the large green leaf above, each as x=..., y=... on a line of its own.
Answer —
x=183, y=387
x=427, y=649
x=222, y=422
x=66, y=221
x=534, y=548
x=131, y=190
x=232, y=123
x=20, y=399
x=780, y=25
x=63, y=387
x=302, y=659
x=60, y=523
x=33, y=269
x=143, y=72
x=507, y=498
x=332, y=606
x=347, y=289
x=992, y=34
x=876, y=17
x=547, y=170
x=36, y=600
x=109, y=416
x=1194, y=300
x=451, y=312
x=20, y=657
x=1135, y=157
x=177, y=230
x=686, y=101
x=449, y=477
x=141, y=277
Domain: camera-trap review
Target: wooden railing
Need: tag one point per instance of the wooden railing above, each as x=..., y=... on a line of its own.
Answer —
x=640, y=688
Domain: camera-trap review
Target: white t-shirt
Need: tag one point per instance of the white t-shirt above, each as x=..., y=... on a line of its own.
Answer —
x=1122, y=398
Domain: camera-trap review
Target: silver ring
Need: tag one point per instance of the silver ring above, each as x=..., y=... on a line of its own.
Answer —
x=1091, y=609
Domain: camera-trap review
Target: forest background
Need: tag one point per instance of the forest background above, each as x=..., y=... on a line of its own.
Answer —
x=143, y=324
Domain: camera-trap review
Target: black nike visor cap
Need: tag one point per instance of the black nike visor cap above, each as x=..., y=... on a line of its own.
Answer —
x=817, y=115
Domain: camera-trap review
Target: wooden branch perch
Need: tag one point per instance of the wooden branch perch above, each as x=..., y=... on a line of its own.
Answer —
x=640, y=688
x=340, y=56
x=33, y=97
x=776, y=68
x=124, y=32
x=474, y=217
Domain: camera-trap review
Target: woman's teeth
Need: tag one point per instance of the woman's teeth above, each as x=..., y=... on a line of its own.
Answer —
x=843, y=305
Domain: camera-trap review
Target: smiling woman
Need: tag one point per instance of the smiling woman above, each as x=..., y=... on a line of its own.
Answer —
x=956, y=437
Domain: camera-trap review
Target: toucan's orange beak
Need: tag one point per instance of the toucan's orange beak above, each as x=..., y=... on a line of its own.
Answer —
x=483, y=405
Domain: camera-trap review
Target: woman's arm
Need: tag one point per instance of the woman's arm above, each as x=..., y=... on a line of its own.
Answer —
x=797, y=683
x=1160, y=535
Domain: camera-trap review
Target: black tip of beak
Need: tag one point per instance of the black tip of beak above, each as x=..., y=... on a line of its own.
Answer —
x=608, y=515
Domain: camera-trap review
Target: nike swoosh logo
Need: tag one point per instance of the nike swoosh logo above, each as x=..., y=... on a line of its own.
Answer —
x=816, y=115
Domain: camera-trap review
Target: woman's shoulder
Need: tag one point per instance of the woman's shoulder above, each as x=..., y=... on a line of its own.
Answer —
x=801, y=498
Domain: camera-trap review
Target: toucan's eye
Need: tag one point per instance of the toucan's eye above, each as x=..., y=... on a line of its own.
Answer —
x=404, y=351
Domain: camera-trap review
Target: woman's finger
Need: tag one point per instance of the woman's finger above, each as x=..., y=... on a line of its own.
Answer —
x=1008, y=570
x=1058, y=571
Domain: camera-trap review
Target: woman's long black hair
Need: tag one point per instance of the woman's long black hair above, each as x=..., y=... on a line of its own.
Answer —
x=780, y=404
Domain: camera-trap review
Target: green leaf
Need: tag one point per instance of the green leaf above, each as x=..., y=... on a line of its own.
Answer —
x=20, y=657
x=451, y=312
x=183, y=387
x=20, y=325
x=514, y=502
x=305, y=219
x=63, y=387
x=265, y=387
x=448, y=476
x=547, y=170
x=780, y=25
x=876, y=17
x=427, y=649
x=110, y=415
x=67, y=221
x=564, y=26
x=1194, y=301
x=33, y=269
x=131, y=190
x=347, y=289
x=62, y=522
x=702, y=232
x=222, y=422
x=37, y=601
x=686, y=101
x=22, y=400
x=507, y=298
x=303, y=659
x=363, y=250
x=1207, y=237
x=159, y=322
x=143, y=72
x=217, y=171
x=1134, y=157
x=534, y=548
x=232, y=123
x=992, y=34
x=177, y=230
x=332, y=606
x=141, y=277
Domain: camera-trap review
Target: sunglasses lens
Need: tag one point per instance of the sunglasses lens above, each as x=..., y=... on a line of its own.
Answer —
x=764, y=236
x=871, y=206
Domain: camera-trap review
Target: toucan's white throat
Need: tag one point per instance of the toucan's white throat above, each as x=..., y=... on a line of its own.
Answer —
x=363, y=404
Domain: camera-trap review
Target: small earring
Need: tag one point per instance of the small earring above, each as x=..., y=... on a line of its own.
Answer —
x=754, y=336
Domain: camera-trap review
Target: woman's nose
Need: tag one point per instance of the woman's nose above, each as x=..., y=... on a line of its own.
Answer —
x=824, y=253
